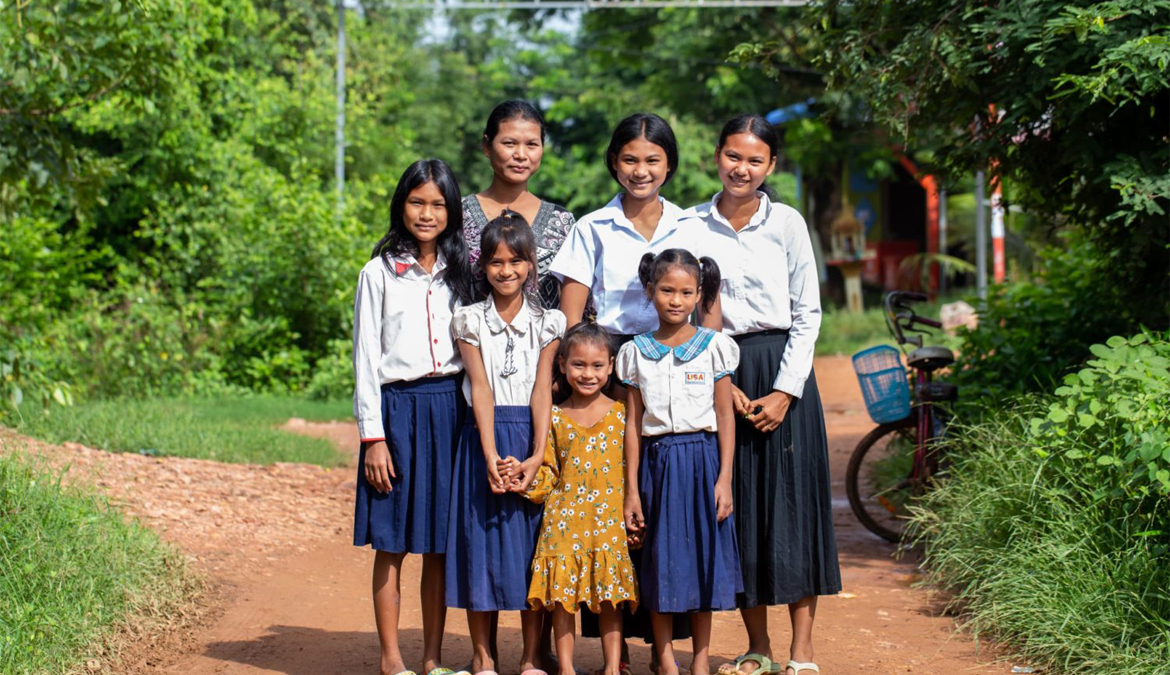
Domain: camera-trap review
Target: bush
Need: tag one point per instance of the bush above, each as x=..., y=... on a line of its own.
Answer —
x=1053, y=525
x=1031, y=334
x=72, y=569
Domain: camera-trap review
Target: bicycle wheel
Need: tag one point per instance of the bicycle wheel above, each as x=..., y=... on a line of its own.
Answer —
x=880, y=479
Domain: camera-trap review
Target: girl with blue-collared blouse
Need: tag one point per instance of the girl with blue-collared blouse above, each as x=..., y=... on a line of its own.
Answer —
x=771, y=307
x=680, y=439
x=599, y=260
x=406, y=398
x=508, y=343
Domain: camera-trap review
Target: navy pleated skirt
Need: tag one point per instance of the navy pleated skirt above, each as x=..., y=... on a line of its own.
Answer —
x=783, y=503
x=491, y=538
x=690, y=561
x=421, y=420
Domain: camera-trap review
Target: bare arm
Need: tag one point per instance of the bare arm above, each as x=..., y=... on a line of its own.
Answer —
x=541, y=403
x=635, y=407
x=483, y=407
x=725, y=421
x=574, y=296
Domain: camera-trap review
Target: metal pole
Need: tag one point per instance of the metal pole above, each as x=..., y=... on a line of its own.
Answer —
x=980, y=235
x=339, y=136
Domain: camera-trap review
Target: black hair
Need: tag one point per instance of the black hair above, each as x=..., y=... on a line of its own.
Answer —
x=515, y=109
x=704, y=269
x=512, y=230
x=586, y=332
x=399, y=241
x=650, y=127
x=757, y=126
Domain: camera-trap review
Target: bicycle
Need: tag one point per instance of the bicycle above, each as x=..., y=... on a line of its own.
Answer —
x=895, y=463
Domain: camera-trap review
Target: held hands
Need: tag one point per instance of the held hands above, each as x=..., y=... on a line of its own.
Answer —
x=766, y=413
x=635, y=521
x=525, y=474
x=500, y=472
x=378, y=467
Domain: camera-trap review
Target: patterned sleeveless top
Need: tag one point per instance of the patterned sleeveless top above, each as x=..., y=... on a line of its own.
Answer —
x=551, y=226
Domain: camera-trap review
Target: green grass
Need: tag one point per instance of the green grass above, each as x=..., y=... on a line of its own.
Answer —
x=71, y=569
x=228, y=429
x=843, y=332
x=1065, y=571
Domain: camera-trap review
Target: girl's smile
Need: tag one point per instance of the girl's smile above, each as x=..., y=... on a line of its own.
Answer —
x=641, y=168
x=587, y=367
x=744, y=163
x=507, y=271
x=425, y=213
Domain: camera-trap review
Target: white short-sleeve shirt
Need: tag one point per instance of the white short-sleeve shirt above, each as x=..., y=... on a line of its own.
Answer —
x=401, y=332
x=769, y=278
x=510, y=351
x=678, y=385
x=603, y=252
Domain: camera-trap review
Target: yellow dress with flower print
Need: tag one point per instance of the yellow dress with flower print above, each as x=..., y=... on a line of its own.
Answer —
x=581, y=556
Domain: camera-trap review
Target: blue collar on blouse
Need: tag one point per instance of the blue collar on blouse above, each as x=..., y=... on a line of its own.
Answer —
x=687, y=351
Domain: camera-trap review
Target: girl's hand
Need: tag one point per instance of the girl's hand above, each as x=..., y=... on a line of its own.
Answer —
x=495, y=479
x=635, y=521
x=723, y=500
x=378, y=467
x=772, y=410
x=525, y=474
x=508, y=468
x=742, y=404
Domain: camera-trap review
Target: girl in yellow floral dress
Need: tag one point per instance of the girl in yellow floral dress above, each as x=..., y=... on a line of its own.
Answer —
x=581, y=556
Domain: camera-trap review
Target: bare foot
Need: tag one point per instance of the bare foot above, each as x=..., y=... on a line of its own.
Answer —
x=392, y=665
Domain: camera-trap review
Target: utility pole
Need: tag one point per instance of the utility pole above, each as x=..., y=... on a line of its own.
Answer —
x=980, y=235
x=339, y=134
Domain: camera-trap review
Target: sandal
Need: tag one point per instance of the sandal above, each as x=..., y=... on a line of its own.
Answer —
x=797, y=667
x=534, y=671
x=764, y=665
x=440, y=670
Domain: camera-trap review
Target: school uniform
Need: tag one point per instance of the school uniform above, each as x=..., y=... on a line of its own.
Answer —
x=690, y=560
x=407, y=394
x=491, y=537
x=603, y=252
x=771, y=307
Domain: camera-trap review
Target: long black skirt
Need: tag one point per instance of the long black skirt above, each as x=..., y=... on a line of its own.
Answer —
x=783, y=506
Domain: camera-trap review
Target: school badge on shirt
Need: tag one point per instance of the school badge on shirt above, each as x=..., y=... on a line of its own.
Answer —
x=696, y=378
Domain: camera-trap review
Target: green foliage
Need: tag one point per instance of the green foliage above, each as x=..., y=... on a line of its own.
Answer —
x=1114, y=417
x=1052, y=527
x=226, y=428
x=72, y=569
x=1031, y=333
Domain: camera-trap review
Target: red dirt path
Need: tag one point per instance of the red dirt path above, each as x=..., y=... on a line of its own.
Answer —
x=293, y=593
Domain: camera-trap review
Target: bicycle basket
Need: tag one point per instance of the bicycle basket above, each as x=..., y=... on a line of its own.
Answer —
x=883, y=383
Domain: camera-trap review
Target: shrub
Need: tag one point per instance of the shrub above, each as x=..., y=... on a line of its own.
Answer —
x=1053, y=526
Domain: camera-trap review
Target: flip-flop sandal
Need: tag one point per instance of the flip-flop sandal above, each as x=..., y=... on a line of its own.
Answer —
x=764, y=667
x=533, y=671
x=441, y=670
x=797, y=667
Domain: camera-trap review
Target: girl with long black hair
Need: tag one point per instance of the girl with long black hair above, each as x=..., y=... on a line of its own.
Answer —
x=407, y=400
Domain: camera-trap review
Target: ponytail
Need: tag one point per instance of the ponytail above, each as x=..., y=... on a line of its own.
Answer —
x=709, y=280
x=646, y=270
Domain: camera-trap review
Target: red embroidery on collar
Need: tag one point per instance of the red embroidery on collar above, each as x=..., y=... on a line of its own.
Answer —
x=400, y=267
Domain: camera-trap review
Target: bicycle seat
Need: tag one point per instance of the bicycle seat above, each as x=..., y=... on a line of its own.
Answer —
x=937, y=391
x=930, y=358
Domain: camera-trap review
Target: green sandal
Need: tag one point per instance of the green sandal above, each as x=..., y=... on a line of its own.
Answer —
x=765, y=667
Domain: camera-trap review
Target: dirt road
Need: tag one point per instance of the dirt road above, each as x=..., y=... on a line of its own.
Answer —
x=295, y=593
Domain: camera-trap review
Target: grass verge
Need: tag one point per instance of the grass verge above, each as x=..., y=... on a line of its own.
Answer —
x=1051, y=560
x=73, y=573
x=240, y=430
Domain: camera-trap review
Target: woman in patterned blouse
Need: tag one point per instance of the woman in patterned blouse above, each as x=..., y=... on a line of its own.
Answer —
x=513, y=141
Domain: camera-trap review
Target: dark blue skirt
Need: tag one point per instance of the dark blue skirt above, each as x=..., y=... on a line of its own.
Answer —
x=421, y=419
x=783, y=497
x=690, y=560
x=491, y=538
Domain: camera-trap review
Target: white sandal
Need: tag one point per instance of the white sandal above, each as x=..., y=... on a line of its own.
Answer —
x=796, y=667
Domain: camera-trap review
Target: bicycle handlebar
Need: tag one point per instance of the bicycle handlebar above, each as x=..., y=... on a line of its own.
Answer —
x=906, y=318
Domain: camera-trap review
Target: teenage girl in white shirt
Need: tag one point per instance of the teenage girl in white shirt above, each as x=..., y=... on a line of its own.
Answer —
x=406, y=398
x=771, y=306
x=680, y=440
x=508, y=343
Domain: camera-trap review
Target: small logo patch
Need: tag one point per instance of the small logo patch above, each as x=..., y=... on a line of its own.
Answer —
x=696, y=378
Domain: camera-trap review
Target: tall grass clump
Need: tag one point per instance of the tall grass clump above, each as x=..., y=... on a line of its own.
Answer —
x=72, y=571
x=1052, y=527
